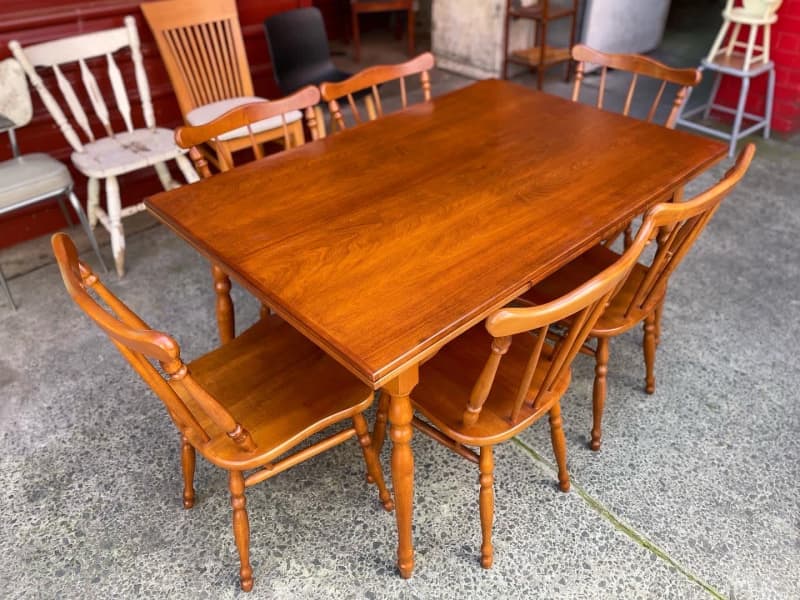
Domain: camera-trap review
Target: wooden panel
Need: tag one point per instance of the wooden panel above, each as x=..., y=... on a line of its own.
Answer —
x=34, y=21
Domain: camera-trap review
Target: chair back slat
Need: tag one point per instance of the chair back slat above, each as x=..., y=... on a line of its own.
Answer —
x=583, y=306
x=95, y=96
x=369, y=81
x=140, y=345
x=120, y=94
x=76, y=51
x=73, y=103
x=638, y=66
x=629, y=98
x=530, y=370
x=244, y=117
x=682, y=223
x=202, y=48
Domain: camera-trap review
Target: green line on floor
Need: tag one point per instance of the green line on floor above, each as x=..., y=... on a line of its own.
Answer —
x=620, y=526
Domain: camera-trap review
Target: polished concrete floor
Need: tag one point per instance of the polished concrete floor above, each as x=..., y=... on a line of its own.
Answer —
x=694, y=494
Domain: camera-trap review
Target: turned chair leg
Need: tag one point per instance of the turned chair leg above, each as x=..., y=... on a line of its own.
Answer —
x=115, y=221
x=486, y=480
x=559, y=446
x=241, y=528
x=379, y=431
x=371, y=458
x=225, y=314
x=649, y=345
x=187, y=462
x=599, y=391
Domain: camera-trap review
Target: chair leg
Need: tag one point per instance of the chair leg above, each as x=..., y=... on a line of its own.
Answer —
x=486, y=480
x=76, y=205
x=64, y=211
x=751, y=43
x=599, y=391
x=649, y=345
x=371, y=458
x=225, y=315
x=186, y=168
x=356, y=36
x=659, y=310
x=115, y=221
x=559, y=446
x=165, y=177
x=542, y=48
x=379, y=431
x=718, y=42
x=8, y=290
x=92, y=200
x=241, y=528
x=187, y=464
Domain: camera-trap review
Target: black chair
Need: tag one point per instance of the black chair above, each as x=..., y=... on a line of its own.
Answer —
x=299, y=49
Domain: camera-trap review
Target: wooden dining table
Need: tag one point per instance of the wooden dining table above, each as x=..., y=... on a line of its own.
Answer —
x=385, y=241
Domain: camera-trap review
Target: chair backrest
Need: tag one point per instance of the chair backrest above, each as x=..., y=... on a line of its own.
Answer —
x=202, y=48
x=637, y=65
x=15, y=97
x=369, y=79
x=140, y=345
x=583, y=306
x=766, y=8
x=81, y=49
x=298, y=48
x=243, y=117
x=680, y=223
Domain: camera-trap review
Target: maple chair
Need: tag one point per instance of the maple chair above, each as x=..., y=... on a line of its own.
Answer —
x=754, y=14
x=203, y=51
x=27, y=179
x=639, y=67
x=241, y=120
x=241, y=406
x=370, y=79
x=118, y=153
x=359, y=7
x=641, y=298
x=541, y=56
x=470, y=399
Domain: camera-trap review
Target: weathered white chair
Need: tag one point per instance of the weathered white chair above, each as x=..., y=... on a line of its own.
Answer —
x=755, y=14
x=105, y=158
x=29, y=178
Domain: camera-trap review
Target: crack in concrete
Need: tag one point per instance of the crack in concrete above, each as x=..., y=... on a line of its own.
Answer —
x=618, y=524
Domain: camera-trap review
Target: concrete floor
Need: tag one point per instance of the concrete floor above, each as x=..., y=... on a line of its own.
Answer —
x=694, y=494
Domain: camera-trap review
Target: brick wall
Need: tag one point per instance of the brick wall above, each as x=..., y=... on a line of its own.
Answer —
x=785, y=53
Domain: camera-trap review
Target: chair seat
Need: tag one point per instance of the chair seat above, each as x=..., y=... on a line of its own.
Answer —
x=742, y=15
x=29, y=178
x=613, y=320
x=447, y=379
x=126, y=152
x=208, y=112
x=279, y=386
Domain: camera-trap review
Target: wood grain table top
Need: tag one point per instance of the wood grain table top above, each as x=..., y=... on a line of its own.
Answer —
x=384, y=241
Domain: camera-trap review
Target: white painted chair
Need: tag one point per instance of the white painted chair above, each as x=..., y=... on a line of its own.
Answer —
x=105, y=158
x=27, y=179
x=755, y=14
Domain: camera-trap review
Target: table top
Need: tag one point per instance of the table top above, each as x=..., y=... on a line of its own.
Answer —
x=384, y=241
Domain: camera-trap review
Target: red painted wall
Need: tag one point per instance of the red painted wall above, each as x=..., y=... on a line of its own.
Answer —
x=34, y=21
x=785, y=53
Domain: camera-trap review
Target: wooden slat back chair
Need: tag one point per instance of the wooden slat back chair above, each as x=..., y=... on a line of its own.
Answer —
x=639, y=67
x=241, y=406
x=370, y=79
x=203, y=51
x=641, y=298
x=113, y=152
x=241, y=119
x=469, y=399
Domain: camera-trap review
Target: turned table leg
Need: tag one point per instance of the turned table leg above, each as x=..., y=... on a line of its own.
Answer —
x=400, y=414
